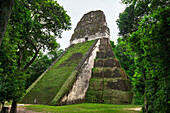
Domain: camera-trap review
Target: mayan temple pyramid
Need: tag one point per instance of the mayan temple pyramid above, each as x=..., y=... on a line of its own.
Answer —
x=86, y=72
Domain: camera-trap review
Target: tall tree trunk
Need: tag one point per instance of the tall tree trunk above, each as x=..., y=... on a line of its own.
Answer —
x=146, y=105
x=145, y=101
x=5, y=11
x=14, y=107
x=0, y=105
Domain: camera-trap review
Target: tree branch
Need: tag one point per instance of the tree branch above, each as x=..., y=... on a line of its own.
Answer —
x=32, y=60
x=21, y=53
x=29, y=41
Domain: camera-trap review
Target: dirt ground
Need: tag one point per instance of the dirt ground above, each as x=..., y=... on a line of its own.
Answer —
x=135, y=109
x=22, y=109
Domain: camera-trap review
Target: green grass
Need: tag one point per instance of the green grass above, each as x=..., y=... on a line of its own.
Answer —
x=85, y=108
x=50, y=84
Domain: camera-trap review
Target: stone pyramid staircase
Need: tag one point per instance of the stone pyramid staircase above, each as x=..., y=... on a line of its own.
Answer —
x=108, y=83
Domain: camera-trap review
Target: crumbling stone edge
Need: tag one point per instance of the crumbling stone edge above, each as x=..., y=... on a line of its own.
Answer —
x=72, y=78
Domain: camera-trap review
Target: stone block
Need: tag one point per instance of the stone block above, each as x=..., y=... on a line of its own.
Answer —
x=99, y=63
x=102, y=47
x=113, y=62
x=104, y=41
x=96, y=84
x=112, y=72
x=94, y=96
x=105, y=54
x=108, y=72
x=117, y=97
x=117, y=84
x=97, y=72
x=101, y=54
x=109, y=54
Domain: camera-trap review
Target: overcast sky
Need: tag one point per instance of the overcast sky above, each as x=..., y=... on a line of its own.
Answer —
x=77, y=8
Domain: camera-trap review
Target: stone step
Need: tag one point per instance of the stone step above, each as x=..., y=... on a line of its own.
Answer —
x=94, y=97
x=105, y=47
x=97, y=84
x=117, y=84
x=104, y=41
x=105, y=54
x=117, y=97
x=111, y=62
x=109, y=97
x=108, y=72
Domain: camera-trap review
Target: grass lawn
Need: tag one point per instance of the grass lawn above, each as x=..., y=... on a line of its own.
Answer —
x=85, y=108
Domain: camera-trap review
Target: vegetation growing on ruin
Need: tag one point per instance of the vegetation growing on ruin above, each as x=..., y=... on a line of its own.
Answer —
x=53, y=80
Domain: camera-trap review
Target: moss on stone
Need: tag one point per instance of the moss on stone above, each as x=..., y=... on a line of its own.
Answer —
x=109, y=62
x=117, y=84
x=94, y=97
x=95, y=84
x=108, y=78
x=117, y=97
x=108, y=72
x=50, y=84
x=65, y=88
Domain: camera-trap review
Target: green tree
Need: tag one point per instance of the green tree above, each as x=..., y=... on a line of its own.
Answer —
x=34, y=26
x=41, y=64
x=5, y=11
x=126, y=1
x=151, y=46
x=7, y=66
x=148, y=46
x=11, y=78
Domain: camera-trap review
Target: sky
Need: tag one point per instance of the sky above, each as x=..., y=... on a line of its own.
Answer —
x=77, y=8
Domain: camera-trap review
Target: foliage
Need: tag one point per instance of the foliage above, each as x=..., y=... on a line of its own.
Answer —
x=7, y=66
x=85, y=108
x=151, y=46
x=33, y=26
x=41, y=64
x=148, y=45
x=126, y=1
x=125, y=59
x=5, y=11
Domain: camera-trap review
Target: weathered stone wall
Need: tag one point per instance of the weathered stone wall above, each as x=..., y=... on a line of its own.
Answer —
x=79, y=89
x=108, y=83
x=91, y=26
